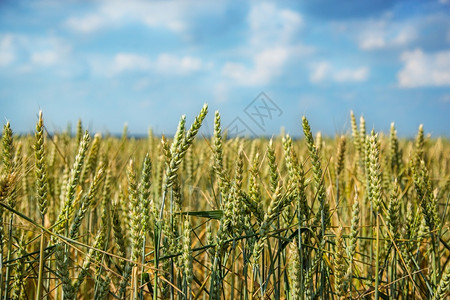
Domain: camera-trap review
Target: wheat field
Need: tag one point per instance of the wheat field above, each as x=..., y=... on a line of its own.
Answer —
x=357, y=216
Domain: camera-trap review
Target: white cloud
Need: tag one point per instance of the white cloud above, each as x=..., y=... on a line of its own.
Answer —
x=30, y=52
x=349, y=75
x=373, y=41
x=323, y=71
x=130, y=61
x=383, y=33
x=87, y=23
x=6, y=41
x=48, y=51
x=270, y=25
x=320, y=72
x=404, y=36
x=164, y=14
x=6, y=50
x=387, y=38
x=6, y=57
x=272, y=34
x=45, y=58
x=267, y=65
x=165, y=63
x=421, y=69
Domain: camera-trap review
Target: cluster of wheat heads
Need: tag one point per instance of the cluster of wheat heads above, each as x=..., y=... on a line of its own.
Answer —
x=363, y=215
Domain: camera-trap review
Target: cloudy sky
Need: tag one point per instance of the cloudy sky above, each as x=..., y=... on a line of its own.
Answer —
x=147, y=63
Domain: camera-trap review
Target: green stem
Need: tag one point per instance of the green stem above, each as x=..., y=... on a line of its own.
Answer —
x=433, y=260
x=141, y=294
x=233, y=270
x=300, y=222
x=1, y=262
x=41, y=265
x=8, y=258
x=377, y=261
x=244, y=273
x=158, y=229
x=371, y=213
x=393, y=276
x=322, y=263
x=156, y=258
x=135, y=282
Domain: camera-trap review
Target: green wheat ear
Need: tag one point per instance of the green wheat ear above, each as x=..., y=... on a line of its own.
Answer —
x=187, y=252
x=355, y=133
x=187, y=141
x=79, y=133
x=353, y=240
x=135, y=212
x=62, y=267
x=9, y=172
x=238, y=207
x=8, y=149
x=443, y=287
x=374, y=171
x=288, y=157
x=362, y=131
x=317, y=174
x=295, y=271
x=18, y=283
x=224, y=183
x=73, y=182
x=420, y=142
x=40, y=164
x=92, y=158
x=179, y=135
x=86, y=202
x=340, y=155
x=393, y=216
x=354, y=231
x=339, y=265
x=426, y=197
x=144, y=194
x=274, y=176
x=395, y=155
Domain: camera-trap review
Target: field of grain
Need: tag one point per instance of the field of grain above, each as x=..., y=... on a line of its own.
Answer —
x=357, y=216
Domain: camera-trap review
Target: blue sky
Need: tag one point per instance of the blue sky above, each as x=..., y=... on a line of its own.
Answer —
x=147, y=63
